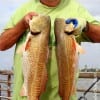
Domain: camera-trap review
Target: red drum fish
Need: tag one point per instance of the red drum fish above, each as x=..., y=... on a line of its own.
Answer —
x=67, y=58
x=35, y=57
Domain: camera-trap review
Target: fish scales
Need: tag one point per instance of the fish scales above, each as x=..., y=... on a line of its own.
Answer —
x=66, y=58
x=35, y=57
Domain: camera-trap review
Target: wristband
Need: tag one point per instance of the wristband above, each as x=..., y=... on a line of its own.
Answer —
x=86, y=28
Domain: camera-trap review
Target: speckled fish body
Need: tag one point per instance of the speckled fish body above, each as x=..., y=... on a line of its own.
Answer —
x=67, y=59
x=35, y=57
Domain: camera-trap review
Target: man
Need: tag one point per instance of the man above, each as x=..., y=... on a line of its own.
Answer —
x=17, y=28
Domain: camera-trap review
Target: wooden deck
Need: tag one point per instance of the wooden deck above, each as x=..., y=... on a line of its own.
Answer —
x=9, y=82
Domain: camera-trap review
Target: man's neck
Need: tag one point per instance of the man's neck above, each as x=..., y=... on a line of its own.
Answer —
x=50, y=3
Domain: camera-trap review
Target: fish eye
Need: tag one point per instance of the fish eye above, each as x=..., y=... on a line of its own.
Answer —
x=68, y=33
x=35, y=33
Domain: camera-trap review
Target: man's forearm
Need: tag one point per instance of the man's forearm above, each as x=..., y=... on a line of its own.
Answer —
x=93, y=32
x=10, y=36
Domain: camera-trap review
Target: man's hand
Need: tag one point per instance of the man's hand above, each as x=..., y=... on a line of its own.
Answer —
x=28, y=17
x=79, y=24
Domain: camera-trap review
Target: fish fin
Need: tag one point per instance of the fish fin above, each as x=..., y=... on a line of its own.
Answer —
x=80, y=49
x=25, y=45
x=27, y=42
x=23, y=91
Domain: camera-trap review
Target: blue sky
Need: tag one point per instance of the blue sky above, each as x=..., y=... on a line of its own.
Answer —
x=7, y=7
x=91, y=57
x=91, y=5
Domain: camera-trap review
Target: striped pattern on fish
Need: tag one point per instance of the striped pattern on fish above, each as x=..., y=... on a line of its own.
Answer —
x=67, y=59
x=35, y=57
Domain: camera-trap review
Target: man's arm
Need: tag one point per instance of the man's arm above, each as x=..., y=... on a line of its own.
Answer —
x=11, y=36
x=93, y=32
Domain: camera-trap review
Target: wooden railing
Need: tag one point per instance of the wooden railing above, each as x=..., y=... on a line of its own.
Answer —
x=7, y=82
x=89, y=75
x=9, y=75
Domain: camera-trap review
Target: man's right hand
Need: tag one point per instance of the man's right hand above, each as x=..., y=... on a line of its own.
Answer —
x=28, y=17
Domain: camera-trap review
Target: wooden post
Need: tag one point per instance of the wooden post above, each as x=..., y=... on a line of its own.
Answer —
x=9, y=85
x=0, y=91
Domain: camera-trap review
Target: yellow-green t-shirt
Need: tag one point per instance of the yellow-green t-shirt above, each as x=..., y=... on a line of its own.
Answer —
x=66, y=9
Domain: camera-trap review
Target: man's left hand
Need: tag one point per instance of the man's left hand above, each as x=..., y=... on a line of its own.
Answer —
x=79, y=24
